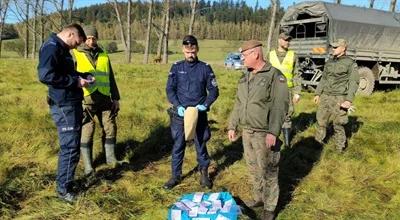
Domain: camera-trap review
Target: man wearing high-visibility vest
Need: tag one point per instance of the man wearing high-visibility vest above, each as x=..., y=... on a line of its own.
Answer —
x=101, y=100
x=285, y=60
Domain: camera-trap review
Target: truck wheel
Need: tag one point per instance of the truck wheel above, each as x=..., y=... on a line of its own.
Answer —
x=367, y=81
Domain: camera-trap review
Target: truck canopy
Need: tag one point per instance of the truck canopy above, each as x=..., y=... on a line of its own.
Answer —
x=364, y=29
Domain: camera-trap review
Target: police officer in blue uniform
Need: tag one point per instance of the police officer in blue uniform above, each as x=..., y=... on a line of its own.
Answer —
x=190, y=83
x=56, y=69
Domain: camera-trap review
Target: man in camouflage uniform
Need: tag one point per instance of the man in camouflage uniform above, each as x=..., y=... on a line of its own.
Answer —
x=262, y=101
x=101, y=100
x=335, y=93
x=285, y=60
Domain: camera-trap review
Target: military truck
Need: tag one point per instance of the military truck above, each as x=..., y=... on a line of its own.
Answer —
x=373, y=37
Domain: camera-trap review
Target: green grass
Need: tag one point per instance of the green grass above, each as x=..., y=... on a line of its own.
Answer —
x=362, y=183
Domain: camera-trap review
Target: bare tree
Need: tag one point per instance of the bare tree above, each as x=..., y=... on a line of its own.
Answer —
x=371, y=3
x=338, y=1
x=26, y=40
x=3, y=14
x=34, y=27
x=70, y=8
x=393, y=5
x=125, y=38
x=149, y=22
x=193, y=4
x=42, y=21
x=274, y=5
x=166, y=32
x=161, y=36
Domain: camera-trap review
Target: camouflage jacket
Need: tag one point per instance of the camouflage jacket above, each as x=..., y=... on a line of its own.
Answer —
x=340, y=77
x=262, y=101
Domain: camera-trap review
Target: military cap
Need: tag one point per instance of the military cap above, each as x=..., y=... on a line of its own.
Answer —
x=339, y=42
x=285, y=36
x=91, y=31
x=189, y=40
x=250, y=44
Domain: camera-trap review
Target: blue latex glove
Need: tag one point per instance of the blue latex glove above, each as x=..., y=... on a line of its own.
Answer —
x=201, y=108
x=181, y=111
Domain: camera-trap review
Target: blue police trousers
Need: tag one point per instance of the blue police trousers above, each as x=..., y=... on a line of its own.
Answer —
x=68, y=120
x=203, y=134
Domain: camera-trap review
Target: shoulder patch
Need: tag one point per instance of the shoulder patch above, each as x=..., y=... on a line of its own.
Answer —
x=282, y=78
x=214, y=82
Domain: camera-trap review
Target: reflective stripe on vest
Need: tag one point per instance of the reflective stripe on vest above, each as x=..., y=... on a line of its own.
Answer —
x=101, y=72
x=286, y=67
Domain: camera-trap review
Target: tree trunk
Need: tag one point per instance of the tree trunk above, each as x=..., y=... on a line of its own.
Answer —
x=149, y=22
x=26, y=40
x=128, y=33
x=338, y=1
x=371, y=3
x=274, y=5
x=42, y=22
x=193, y=4
x=3, y=14
x=34, y=27
x=62, y=23
x=166, y=32
x=71, y=7
x=161, y=38
x=124, y=39
x=393, y=5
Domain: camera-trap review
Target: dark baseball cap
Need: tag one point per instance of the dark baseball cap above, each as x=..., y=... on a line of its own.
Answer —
x=285, y=36
x=189, y=40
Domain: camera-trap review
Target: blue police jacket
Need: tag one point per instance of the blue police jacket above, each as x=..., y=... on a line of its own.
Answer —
x=56, y=69
x=188, y=84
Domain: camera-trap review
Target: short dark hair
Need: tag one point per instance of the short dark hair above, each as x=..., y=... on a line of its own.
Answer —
x=189, y=40
x=77, y=27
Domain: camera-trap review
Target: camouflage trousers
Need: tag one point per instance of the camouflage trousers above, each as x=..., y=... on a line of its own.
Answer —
x=287, y=123
x=329, y=110
x=263, y=167
x=98, y=105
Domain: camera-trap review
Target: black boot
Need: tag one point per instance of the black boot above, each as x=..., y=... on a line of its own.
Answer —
x=172, y=182
x=204, y=179
x=286, y=135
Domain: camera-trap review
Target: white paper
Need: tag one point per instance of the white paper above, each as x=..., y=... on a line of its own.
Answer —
x=202, y=210
x=205, y=203
x=193, y=212
x=217, y=204
x=176, y=214
x=213, y=197
x=221, y=217
x=188, y=203
x=197, y=197
x=182, y=206
x=200, y=218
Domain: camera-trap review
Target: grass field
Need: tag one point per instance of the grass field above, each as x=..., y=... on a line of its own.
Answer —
x=316, y=183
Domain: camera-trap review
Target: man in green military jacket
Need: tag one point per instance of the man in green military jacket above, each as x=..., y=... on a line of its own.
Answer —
x=261, y=105
x=335, y=93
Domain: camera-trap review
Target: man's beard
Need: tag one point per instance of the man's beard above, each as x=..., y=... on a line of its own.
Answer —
x=191, y=59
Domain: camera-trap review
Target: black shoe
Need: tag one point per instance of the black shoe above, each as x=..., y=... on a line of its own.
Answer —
x=254, y=204
x=67, y=197
x=172, y=182
x=204, y=179
x=268, y=215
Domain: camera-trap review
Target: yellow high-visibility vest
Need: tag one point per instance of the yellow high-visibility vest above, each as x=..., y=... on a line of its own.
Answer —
x=286, y=67
x=101, y=72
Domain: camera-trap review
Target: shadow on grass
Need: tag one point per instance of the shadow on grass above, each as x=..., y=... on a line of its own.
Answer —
x=230, y=153
x=296, y=163
x=140, y=155
x=302, y=122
